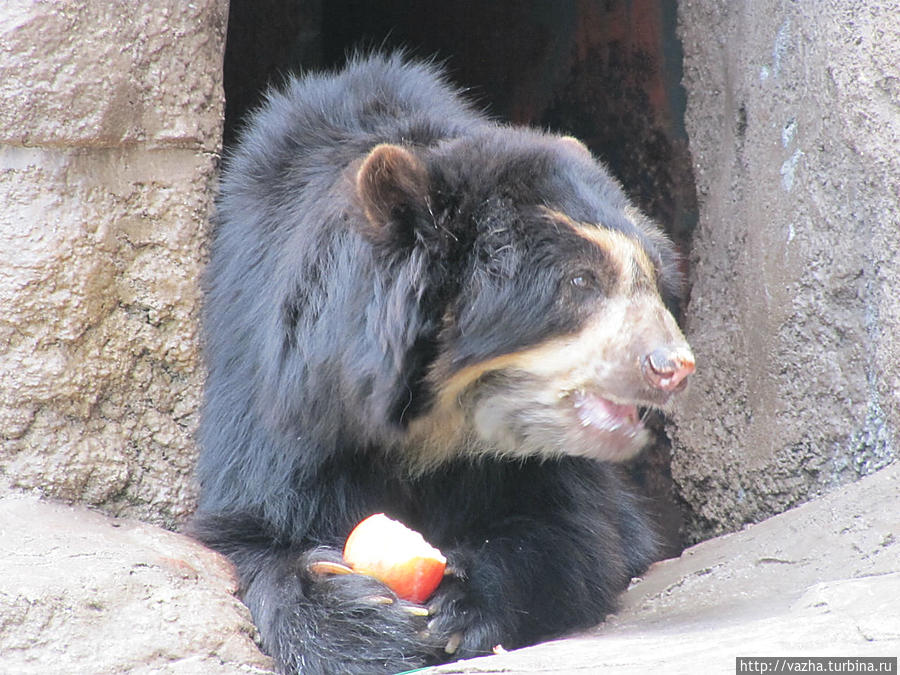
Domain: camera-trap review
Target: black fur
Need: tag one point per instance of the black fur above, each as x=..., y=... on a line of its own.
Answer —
x=322, y=331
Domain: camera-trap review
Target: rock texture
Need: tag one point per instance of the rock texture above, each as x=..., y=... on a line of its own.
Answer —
x=819, y=580
x=83, y=593
x=794, y=123
x=110, y=122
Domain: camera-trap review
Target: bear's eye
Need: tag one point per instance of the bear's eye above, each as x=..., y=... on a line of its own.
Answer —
x=583, y=280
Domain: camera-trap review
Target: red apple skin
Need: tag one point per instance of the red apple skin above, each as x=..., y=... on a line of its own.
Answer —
x=395, y=555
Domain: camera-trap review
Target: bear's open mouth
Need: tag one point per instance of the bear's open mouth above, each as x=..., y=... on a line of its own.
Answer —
x=599, y=413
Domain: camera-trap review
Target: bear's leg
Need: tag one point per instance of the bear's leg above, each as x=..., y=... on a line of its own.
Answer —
x=313, y=622
x=534, y=576
x=529, y=583
x=535, y=549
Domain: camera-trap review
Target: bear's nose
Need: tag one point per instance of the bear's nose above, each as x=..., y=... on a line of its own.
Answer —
x=667, y=367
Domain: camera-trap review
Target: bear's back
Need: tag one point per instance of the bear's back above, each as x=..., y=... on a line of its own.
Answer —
x=378, y=99
x=278, y=223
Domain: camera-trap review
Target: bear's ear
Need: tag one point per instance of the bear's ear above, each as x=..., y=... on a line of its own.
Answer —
x=392, y=185
x=577, y=145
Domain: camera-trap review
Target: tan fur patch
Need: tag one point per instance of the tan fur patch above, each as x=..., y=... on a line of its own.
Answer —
x=443, y=432
x=561, y=364
x=623, y=248
x=618, y=246
x=545, y=358
x=604, y=357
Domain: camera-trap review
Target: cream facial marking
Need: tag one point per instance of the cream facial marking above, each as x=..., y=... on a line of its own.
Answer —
x=636, y=265
x=575, y=394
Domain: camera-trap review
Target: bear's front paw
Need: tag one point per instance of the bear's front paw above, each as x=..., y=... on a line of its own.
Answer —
x=325, y=568
x=458, y=624
x=356, y=611
x=323, y=571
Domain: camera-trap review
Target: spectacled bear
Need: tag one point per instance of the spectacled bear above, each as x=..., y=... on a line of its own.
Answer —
x=413, y=309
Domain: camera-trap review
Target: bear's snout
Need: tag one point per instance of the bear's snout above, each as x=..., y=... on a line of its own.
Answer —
x=667, y=367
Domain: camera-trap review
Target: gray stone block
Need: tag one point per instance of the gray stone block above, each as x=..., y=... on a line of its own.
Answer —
x=82, y=593
x=87, y=73
x=794, y=315
x=110, y=121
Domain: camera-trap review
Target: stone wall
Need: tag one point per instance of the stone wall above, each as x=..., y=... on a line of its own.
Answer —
x=110, y=119
x=794, y=316
x=110, y=126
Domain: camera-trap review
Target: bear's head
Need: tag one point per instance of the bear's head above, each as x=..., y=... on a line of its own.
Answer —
x=543, y=326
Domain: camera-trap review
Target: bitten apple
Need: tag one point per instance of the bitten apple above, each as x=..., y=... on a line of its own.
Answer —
x=396, y=555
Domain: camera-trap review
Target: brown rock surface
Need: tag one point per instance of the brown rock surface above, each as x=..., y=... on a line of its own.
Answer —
x=819, y=580
x=84, y=593
x=794, y=123
x=110, y=118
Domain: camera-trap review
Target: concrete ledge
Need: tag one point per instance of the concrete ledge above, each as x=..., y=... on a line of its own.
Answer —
x=83, y=593
x=822, y=579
